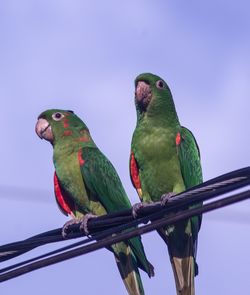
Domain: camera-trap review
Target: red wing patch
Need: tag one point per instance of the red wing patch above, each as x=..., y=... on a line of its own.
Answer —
x=63, y=201
x=134, y=172
x=178, y=139
x=80, y=158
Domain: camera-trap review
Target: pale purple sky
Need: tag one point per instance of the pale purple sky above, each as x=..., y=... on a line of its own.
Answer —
x=84, y=56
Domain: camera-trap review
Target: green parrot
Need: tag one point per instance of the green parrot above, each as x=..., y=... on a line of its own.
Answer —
x=165, y=160
x=86, y=183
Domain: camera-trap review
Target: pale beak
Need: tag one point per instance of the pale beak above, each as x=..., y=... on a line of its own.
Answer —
x=143, y=93
x=43, y=130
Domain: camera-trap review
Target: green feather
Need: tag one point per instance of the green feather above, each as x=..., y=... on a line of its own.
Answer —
x=103, y=183
x=93, y=185
x=167, y=167
x=189, y=156
x=102, y=180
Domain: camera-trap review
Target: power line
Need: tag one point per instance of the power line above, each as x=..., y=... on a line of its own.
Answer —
x=222, y=184
x=124, y=236
x=103, y=227
x=210, y=189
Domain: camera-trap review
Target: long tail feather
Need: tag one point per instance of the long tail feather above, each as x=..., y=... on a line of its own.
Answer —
x=142, y=262
x=128, y=269
x=181, y=251
x=183, y=269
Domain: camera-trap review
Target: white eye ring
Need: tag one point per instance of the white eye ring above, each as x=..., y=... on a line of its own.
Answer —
x=160, y=84
x=57, y=116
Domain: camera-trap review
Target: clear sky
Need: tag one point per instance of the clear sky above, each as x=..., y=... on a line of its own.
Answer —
x=84, y=56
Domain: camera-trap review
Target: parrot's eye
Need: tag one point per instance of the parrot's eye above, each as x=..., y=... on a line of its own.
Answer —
x=160, y=84
x=57, y=116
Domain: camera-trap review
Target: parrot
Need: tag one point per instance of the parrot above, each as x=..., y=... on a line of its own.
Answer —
x=85, y=182
x=165, y=161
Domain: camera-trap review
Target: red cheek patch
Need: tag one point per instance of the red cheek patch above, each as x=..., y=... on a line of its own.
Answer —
x=66, y=123
x=83, y=139
x=67, y=133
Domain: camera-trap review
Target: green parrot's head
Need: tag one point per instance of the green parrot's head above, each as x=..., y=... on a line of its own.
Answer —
x=152, y=95
x=55, y=124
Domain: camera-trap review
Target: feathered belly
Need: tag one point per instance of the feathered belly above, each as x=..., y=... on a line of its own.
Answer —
x=160, y=171
x=162, y=177
x=70, y=177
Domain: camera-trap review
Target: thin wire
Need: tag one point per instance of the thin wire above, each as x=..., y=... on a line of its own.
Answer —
x=125, y=235
x=214, y=187
x=103, y=234
x=205, y=191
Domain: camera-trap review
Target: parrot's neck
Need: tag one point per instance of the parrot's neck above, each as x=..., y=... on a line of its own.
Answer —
x=71, y=143
x=159, y=113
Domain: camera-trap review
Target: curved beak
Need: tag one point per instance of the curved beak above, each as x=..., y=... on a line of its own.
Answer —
x=43, y=130
x=143, y=93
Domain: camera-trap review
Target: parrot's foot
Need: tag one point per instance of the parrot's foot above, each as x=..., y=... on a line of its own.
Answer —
x=136, y=208
x=84, y=223
x=66, y=226
x=166, y=197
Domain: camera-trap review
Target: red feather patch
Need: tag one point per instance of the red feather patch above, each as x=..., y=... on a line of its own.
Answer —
x=67, y=133
x=63, y=201
x=178, y=139
x=134, y=172
x=83, y=139
x=80, y=158
x=66, y=123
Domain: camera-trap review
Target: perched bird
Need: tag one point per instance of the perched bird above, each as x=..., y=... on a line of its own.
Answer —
x=87, y=183
x=165, y=160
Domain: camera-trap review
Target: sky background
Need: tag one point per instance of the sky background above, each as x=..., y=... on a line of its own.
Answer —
x=84, y=56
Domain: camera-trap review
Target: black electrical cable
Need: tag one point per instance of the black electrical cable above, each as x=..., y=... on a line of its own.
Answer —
x=115, y=230
x=207, y=190
x=126, y=235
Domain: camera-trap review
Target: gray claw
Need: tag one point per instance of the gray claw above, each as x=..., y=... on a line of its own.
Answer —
x=84, y=223
x=166, y=197
x=137, y=207
x=66, y=226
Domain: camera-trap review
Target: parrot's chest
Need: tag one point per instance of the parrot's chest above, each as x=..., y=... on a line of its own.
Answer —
x=69, y=173
x=157, y=157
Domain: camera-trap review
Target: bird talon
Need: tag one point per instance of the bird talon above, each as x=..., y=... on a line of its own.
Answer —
x=84, y=223
x=166, y=197
x=135, y=209
x=67, y=225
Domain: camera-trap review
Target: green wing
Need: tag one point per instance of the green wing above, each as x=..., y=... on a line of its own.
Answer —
x=189, y=156
x=102, y=181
